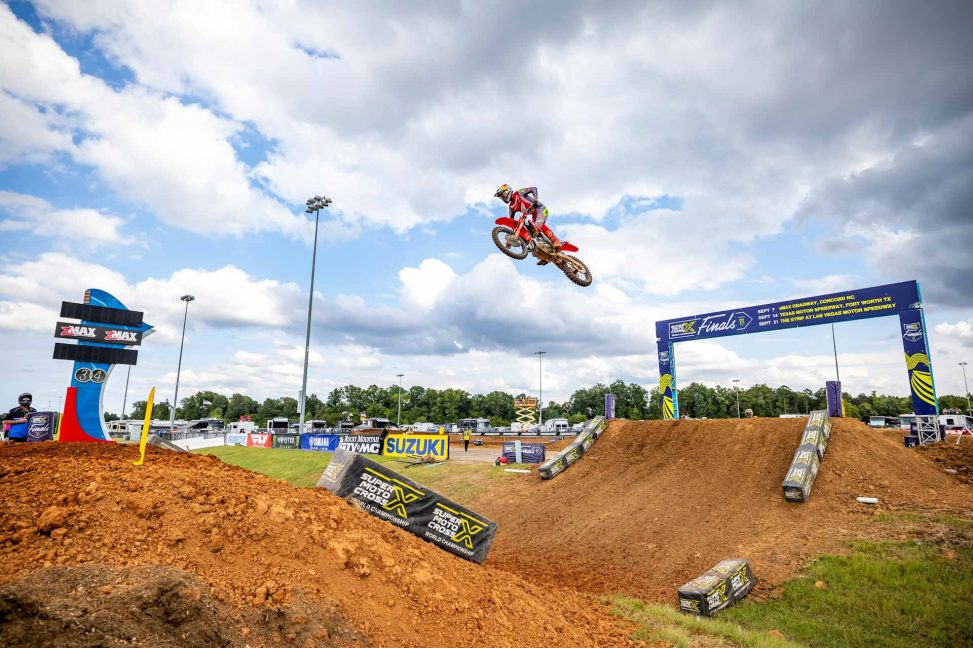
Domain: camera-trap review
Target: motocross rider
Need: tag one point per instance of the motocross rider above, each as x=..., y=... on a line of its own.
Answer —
x=526, y=202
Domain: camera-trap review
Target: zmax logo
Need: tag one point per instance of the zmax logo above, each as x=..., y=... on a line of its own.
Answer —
x=120, y=336
x=78, y=331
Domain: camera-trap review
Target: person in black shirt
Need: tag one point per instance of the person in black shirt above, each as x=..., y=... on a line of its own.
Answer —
x=20, y=412
x=22, y=409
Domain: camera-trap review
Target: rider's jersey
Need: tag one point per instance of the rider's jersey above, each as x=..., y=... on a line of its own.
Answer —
x=519, y=201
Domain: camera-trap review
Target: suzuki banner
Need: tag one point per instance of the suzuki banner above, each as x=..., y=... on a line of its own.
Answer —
x=416, y=445
x=388, y=495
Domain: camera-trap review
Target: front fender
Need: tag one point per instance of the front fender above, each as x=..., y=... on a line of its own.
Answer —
x=506, y=220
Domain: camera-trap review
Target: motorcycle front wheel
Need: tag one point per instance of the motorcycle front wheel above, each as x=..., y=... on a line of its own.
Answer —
x=515, y=250
x=575, y=270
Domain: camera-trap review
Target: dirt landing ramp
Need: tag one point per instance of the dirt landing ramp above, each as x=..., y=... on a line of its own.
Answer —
x=655, y=503
x=262, y=546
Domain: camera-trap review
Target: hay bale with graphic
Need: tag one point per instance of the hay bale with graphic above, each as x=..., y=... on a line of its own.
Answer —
x=717, y=589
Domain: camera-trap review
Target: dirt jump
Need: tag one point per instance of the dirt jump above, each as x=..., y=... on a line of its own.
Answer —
x=655, y=503
x=232, y=558
x=186, y=550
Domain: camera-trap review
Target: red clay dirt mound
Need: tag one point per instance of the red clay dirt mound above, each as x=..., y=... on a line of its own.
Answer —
x=954, y=458
x=257, y=544
x=656, y=503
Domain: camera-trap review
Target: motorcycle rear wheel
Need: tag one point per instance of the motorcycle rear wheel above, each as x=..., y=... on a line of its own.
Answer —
x=500, y=234
x=575, y=270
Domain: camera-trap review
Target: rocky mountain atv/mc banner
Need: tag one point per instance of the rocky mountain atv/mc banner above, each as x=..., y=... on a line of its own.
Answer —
x=388, y=495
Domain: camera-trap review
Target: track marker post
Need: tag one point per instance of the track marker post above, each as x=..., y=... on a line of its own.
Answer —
x=145, y=428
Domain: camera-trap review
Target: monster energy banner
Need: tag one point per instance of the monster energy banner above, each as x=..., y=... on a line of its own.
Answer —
x=564, y=459
x=286, y=441
x=902, y=299
x=388, y=495
x=718, y=588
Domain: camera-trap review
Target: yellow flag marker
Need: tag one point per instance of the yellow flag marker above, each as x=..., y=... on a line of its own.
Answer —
x=145, y=428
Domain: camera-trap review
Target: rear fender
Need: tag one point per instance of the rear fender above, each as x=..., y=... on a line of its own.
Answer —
x=567, y=247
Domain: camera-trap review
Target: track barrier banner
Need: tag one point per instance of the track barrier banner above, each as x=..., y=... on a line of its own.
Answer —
x=718, y=588
x=582, y=443
x=259, y=440
x=416, y=445
x=803, y=470
x=286, y=441
x=817, y=431
x=386, y=494
x=531, y=453
x=236, y=438
x=320, y=442
x=361, y=443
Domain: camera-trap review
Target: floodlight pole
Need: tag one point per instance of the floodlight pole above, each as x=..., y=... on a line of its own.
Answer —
x=398, y=417
x=175, y=397
x=314, y=206
x=540, y=386
x=736, y=388
x=966, y=388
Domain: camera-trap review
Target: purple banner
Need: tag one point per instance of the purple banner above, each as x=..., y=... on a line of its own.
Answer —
x=529, y=452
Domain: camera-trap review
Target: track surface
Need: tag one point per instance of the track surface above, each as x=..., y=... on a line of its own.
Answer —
x=299, y=555
x=656, y=503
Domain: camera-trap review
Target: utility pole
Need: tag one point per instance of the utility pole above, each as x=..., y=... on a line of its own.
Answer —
x=398, y=418
x=736, y=388
x=966, y=388
x=540, y=386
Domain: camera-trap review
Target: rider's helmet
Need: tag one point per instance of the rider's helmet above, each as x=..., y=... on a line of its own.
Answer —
x=504, y=193
x=25, y=399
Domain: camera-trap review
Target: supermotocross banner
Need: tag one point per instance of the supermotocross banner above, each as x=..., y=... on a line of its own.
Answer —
x=388, y=495
x=902, y=299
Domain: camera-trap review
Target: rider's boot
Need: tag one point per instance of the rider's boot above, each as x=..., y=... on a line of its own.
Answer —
x=555, y=242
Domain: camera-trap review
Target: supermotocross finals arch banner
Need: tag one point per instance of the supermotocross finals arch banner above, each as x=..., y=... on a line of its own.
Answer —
x=902, y=299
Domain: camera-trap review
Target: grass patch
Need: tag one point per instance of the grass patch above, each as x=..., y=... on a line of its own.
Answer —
x=663, y=623
x=462, y=482
x=896, y=594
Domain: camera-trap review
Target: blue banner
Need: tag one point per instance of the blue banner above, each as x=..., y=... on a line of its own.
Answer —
x=918, y=364
x=901, y=299
x=320, y=442
x=530, y=453
x=864, y=303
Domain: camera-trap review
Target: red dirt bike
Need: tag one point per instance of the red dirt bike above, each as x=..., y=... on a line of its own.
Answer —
x=519, y=237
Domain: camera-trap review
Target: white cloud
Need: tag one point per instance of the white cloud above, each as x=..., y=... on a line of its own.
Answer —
x=30, y=213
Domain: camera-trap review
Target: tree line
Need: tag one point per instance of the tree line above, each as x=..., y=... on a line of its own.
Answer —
x=420, y=404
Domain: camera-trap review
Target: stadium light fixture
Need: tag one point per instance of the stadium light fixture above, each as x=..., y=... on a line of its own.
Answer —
x=175, y=397
x=314, y=206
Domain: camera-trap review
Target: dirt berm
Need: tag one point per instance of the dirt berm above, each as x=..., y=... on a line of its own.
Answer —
x=186, y=550
x=655, y=503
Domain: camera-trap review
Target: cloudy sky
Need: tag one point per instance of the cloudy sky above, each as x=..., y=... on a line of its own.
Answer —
x=701, y=155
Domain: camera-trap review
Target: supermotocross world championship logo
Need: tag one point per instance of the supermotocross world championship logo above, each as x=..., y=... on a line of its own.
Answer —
x=458, y=526
x=389, y=494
